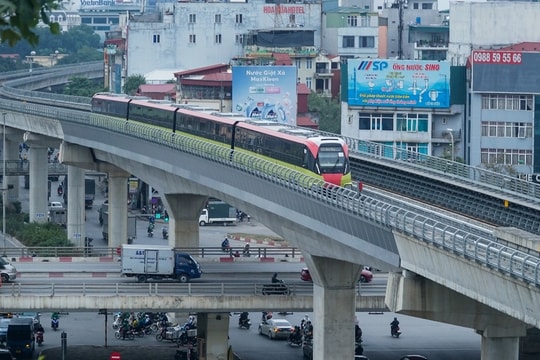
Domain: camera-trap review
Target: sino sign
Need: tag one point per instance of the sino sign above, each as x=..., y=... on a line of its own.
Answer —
x=398, y=83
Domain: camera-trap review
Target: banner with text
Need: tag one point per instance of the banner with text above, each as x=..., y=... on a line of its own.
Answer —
x=265, y=92
x=398, y=83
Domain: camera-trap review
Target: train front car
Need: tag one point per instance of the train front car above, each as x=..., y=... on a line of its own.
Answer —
x=332, y=159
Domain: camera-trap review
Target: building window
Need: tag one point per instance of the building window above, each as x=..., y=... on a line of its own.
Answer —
x=298, y=63
x=218, y=38
x=511, y=157
x=192, y=39
x=427, y=6
x=507, y=129
x=415, y=6
x=348, y=41
x=376, y=121
x=238, y=18
x=292, y=19
x=364, y=21
x=352, y=21
x=156, y=38
x=308, y=83
x=411, y=122
x=192, y=18
x=239, y=39
x=309, y=64
x=217, y=18
x=366, y=42
x=507, y=102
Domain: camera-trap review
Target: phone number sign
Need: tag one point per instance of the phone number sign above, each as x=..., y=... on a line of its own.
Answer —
x=497, y=57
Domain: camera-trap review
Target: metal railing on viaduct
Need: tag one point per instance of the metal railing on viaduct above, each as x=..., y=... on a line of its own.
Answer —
x=360, y=228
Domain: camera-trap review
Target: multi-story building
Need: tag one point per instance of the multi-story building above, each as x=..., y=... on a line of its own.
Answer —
x=502, y=120
x=187, y=35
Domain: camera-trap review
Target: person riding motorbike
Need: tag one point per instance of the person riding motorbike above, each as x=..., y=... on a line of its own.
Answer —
x=38, y=330
x=150, y=229
x=295, y=336
x=394, y=326
x=55, y=320
x=244, y=318
x=225, y=245
x=246, y=252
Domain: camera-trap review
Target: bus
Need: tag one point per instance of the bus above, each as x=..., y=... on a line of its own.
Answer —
x=20, y=337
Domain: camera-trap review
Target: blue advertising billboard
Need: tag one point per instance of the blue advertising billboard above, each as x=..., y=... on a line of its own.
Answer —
x=265, y=92
x=398, y=83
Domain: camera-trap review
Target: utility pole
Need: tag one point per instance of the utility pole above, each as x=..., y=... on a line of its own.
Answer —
x=400, y=29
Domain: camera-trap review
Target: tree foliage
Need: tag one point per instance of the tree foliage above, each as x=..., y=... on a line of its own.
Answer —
x=20, y=18
x=132, y=84
x=328, y=111
x=80, y=86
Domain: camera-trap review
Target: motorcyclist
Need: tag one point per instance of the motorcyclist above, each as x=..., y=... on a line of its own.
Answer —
x=165, y=233
x=55, y=319
x=244, y=317
x=225, y=245
x=357, y=334
x=246, y=252
x=39, y=331
x=394, y=326
x=150, y=229
x=296, y=335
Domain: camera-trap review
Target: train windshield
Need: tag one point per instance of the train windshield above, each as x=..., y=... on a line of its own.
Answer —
x=332, y=159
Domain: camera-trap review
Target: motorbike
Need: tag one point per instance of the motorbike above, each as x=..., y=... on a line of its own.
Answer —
x=279, y=288
x=165, y=233
x=39, y=337
x=170, y=333
x=225, y=246
x=394, y=331
x=244, y=323
x=120, y=336
x=54, y=324
x=295, y=338
x=150, y=230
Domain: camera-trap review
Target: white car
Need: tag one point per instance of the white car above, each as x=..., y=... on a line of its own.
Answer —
x=55, y=205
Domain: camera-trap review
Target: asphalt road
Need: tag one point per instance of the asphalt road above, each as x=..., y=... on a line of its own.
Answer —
x=434, y=340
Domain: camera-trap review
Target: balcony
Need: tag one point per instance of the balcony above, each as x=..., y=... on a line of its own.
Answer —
x=323, y=72
x=431, y=45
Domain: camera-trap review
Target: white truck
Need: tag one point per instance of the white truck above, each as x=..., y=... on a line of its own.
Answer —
x=217, y=212
x=158, y=262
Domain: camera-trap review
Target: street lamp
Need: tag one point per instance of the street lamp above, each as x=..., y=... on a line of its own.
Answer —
x=54, y=58
x=31, y=59
x=4, y=183
x=451, y=133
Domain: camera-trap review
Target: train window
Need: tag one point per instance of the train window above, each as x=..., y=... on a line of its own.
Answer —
x=331, y=158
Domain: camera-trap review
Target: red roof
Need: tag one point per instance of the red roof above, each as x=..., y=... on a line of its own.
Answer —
x=157, y=88
x=282, y=59
x=523, y=46
x=306, y=121
x=202, y=70
x=302, y=89
x=224, y=76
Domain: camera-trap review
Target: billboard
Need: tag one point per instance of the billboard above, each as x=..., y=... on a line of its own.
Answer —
x=502, y=71
x=265, y=92
x=398, y=83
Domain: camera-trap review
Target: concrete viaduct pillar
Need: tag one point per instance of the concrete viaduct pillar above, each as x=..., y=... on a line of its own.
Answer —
x=38, y=199
x=214, y=329
x=334, y=306
x=184, y=211
x=12, y=153
x=118, y=211
x=410, y=294
x=75, y=202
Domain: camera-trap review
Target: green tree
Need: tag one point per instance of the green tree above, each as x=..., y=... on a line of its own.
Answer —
x=328, y=111
x=83, y=87
x=20, y=18
x=132, y=84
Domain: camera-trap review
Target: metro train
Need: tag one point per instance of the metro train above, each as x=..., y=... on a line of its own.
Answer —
x=326, y=157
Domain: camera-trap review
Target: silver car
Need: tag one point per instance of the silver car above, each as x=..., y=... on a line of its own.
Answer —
x=276, y=328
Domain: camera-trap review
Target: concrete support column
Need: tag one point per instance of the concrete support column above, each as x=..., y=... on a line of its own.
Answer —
x=118, y=211
x=501, y=342
x=38, y=200
x=213, y=329
x=184, y=211
x=12, y=153
x=334, y=305
x=75, y=206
